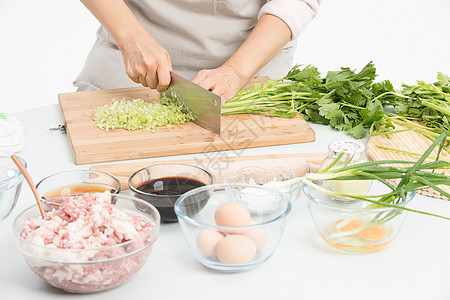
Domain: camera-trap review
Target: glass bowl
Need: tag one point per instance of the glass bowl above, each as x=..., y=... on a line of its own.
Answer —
x=161, y=185
x=10, y=185
x=261, y=176
x=355, y=226
x=90, y=270
x=75, y=182
x=230, y=247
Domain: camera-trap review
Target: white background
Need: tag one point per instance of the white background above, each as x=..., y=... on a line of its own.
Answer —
x=43, y=44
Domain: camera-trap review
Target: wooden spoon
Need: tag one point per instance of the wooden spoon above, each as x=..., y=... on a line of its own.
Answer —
x=27, y=177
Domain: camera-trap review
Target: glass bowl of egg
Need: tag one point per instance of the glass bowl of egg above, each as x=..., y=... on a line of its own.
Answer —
x=353, y=225
x=223, y=234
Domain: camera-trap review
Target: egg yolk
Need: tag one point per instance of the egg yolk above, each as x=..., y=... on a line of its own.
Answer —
x=349, y=226
x=375, y=233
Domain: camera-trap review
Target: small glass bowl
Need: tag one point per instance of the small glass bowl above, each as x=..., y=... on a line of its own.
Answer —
x=72, y=182
x=10, y=185
x=261, y=176
x=355, y=226
x=196, y=214
x=160, y=178
x=90, y=270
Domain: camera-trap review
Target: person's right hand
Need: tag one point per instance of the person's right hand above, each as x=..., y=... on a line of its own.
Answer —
x=146, y=61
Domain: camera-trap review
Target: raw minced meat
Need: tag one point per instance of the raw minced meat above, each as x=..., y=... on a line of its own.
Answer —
x=87, y=221
x=84, y=245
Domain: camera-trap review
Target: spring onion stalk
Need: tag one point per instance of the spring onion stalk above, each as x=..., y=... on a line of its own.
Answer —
x=414, y=176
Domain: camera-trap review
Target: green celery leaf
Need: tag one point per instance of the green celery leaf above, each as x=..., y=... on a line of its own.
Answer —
x=350, y=114
x=358, y=132
x=338, y=76
x=315, y=117
x=356, y=85
x=401, y=108
x=342, y=126
x=374, y=111
x=326, y=109
x=443, y=79
x=324, y=100
x=308, y=74
x=336, y=118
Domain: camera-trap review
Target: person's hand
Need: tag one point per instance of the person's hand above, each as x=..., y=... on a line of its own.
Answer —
x=224, y=81
x=146, y=61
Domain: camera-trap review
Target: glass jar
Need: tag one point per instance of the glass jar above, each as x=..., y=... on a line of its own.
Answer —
x=353, y=153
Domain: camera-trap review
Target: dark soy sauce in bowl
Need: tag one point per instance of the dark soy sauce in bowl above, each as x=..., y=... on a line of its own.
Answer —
x=164, y=192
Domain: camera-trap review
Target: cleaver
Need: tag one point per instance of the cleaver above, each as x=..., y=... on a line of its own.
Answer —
x=204, y=106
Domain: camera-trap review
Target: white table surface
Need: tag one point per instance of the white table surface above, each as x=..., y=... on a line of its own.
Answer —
x=415, y=266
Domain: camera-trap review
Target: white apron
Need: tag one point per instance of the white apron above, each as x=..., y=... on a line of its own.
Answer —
x=198, y=34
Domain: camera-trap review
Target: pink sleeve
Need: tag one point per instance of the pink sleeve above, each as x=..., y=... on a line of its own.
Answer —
x=295, y=13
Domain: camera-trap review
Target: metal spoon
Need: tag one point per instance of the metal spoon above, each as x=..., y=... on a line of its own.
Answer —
x=27, y=177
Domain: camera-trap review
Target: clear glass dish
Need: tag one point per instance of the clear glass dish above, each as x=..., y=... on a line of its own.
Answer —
x=196, y=212
x=162, y=185
x=90, y=270
x=10, y=185
x=75, y=182
x=355, y=226
x=261, y=176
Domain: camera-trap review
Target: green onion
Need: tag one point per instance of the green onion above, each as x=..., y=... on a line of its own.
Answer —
x=416, y=175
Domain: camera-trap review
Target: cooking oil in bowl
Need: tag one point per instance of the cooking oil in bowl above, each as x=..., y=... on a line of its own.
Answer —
x=77, y=189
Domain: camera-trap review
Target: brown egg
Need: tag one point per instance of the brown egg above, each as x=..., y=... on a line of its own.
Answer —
x=257, y=235
x=236, y=249
x=232, y=214
x=207, y=241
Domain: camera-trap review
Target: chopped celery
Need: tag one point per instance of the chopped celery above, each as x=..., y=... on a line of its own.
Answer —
x=138, y=114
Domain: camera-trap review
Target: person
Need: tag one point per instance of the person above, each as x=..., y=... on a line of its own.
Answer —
x=218, y=44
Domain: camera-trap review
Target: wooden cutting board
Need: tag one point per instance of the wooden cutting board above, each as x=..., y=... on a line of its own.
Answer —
x=92, y=145
x=222, y=166
x=406, y=141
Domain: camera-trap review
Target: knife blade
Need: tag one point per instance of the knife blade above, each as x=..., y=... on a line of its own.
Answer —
x=204, y=106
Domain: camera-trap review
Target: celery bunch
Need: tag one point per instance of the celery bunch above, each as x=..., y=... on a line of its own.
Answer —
x=343, y=99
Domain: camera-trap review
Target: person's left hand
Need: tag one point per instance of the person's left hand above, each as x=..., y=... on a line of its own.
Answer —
x=224, y=81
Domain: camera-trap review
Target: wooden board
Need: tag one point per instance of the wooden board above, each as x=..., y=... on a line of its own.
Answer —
x=406, y=141
x=222, y=166
x=92, y=145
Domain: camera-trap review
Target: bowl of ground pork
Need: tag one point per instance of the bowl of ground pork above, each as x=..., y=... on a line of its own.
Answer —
x=88, y=244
